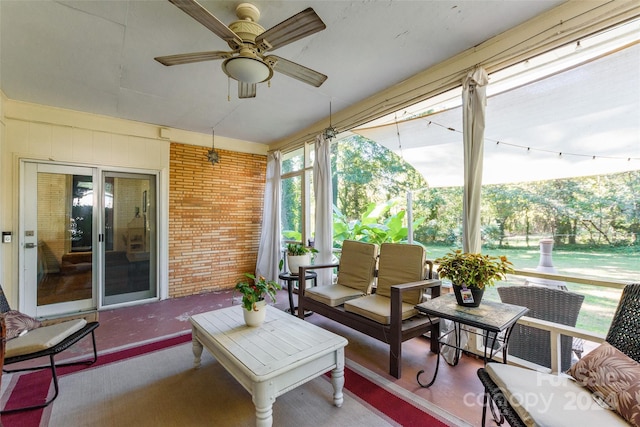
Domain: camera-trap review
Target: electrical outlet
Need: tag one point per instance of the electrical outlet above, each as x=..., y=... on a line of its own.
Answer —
x=6, y=237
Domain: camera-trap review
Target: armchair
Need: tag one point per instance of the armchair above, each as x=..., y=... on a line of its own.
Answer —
x=607, y=377
x=553, y=305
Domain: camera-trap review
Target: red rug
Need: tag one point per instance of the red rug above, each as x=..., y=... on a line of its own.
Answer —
x=32, y=388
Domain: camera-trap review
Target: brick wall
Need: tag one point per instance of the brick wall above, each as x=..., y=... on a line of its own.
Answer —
x=215, y=215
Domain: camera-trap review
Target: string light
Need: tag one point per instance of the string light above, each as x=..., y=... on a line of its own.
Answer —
x=542, y=150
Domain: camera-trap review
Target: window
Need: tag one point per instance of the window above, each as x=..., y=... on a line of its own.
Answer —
x=297, y=194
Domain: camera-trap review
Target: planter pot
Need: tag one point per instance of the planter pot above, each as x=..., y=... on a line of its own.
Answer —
x=253, y=317
x=468, y=300
x=295, y=261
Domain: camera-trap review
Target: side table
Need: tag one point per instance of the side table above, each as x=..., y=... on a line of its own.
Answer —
x=293, y=278
x=493, y=318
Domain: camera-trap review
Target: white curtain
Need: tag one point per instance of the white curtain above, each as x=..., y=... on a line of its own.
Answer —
x=269, y=251
x=323, y=192
x=474, y=100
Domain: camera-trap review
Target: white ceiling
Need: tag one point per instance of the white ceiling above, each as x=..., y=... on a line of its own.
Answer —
x=97, y=56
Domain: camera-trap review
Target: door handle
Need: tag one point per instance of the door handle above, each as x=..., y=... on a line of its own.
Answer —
x=30, y=245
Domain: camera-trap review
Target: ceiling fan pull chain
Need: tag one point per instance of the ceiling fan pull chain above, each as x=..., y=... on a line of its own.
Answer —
x=228, y=89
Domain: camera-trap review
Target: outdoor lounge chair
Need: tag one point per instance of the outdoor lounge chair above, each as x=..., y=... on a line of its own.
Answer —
x=553, y=305
x=519, y=393
x=28, y=338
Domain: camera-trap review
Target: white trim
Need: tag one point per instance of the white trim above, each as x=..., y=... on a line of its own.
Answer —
x=35, y=113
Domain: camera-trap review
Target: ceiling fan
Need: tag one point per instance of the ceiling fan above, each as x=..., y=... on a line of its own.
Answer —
x=247, y=62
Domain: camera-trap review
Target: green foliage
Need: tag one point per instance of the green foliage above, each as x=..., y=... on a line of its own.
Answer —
x=365, y=172
x=255, y=290
x=375, y=225
x=590, y=211
x=473, y=270
x=297, y=249
x=292, y=235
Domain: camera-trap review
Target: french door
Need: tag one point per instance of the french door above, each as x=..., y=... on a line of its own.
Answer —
x=87, y=238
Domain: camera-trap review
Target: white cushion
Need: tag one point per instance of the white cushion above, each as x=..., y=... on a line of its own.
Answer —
x=547, y=400
x=377, y=308
x=332, y=295
x=42, y=338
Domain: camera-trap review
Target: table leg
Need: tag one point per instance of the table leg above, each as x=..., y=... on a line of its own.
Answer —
x=197, y=350
x=435, y=373
x=263, y=398
x=337, y=379
x=290, y=290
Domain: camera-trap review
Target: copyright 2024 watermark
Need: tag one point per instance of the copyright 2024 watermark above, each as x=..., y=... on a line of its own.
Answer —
x=550, y=390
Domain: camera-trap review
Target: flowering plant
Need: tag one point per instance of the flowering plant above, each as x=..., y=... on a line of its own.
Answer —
x=473, y=270
x=255, y=290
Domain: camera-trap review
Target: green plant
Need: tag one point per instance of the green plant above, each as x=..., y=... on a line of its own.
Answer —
x=376, y=225
x=297, y=249
x=473, y=270
x=255, y=290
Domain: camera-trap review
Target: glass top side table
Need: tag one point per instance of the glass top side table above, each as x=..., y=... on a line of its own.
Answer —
x=495, y=319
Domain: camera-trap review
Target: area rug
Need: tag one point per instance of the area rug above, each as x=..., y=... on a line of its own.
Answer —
x=156, y=385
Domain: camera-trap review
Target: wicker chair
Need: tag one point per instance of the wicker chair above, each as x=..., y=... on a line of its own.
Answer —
x=623, y=334
x=554, y=305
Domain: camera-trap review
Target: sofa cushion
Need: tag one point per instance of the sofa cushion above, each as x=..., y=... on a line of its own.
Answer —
x=357, y=265
x=17, y=323
x=611, y=375
x=401, y=263
x=43, y=338
x=332, y=295
x=542, y=399
x=377, y=308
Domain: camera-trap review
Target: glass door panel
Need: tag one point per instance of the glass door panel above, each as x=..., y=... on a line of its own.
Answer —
x=58, y=239
x=129, y=237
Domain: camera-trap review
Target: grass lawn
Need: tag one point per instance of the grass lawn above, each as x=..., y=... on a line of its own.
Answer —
x=599, y=303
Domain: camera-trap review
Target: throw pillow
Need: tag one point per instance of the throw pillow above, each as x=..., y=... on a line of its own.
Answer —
x=16, y=323
x=629, y=404
x=613, y=377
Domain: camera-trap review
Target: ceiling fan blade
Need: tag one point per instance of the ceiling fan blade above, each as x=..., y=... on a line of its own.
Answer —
x=246, y=90
x=187, y=58
x=203, y=16
x=297, y=71
x=298, y=26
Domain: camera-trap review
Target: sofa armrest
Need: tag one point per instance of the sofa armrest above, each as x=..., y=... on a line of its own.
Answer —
x=396, y=297
x=434, y=284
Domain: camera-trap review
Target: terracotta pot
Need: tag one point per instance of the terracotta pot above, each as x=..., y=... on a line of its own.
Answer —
x=253, y=317
x=472, y=300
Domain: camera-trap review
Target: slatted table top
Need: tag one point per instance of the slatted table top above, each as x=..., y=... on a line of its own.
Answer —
x=280, y=344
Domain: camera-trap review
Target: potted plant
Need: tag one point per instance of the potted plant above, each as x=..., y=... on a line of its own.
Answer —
x=297, y=255
x=254, y=292
x=470, y=273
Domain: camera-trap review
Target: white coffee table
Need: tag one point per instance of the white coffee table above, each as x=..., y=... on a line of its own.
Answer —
x=271, y=359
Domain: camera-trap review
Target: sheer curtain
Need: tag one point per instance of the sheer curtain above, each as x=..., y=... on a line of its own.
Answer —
x=474, y=101
x=269, y=249
x=324, y=206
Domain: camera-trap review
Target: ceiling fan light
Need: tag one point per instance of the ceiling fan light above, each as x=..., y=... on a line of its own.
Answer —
x=248, y=70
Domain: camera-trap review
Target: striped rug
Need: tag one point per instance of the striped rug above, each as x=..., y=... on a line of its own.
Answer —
x=154, y=384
